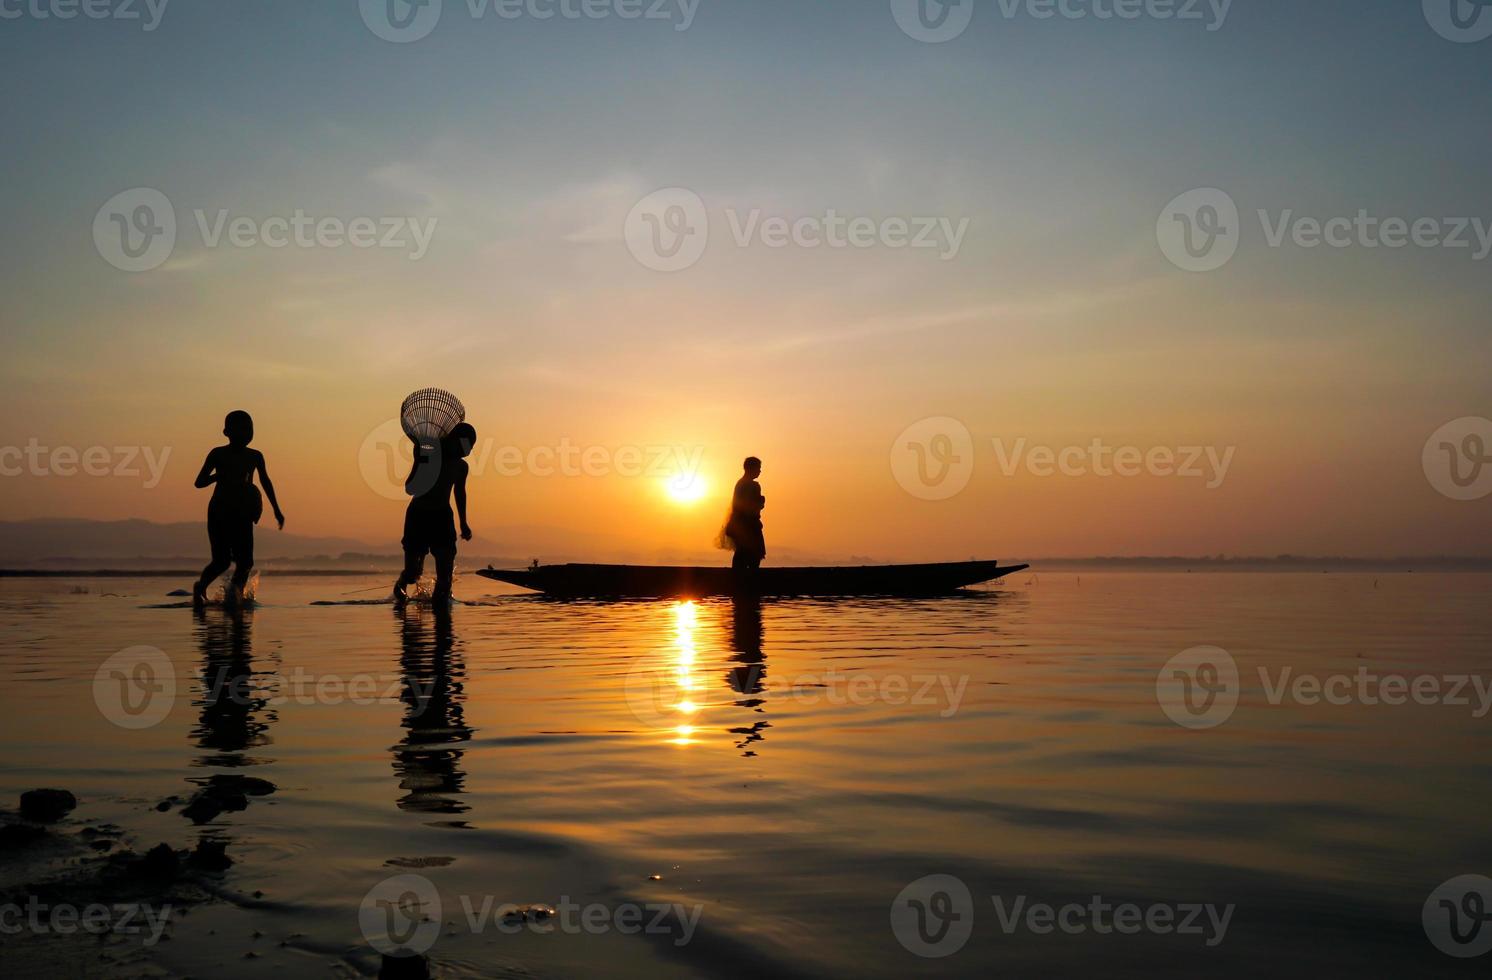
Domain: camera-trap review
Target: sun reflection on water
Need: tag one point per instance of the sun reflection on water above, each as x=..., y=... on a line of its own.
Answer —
x=686, y=617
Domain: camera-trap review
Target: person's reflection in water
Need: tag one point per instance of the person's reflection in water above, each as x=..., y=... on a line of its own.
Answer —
x=749, y=678
x=234, y=716
x=230, y=720
x=429, y=768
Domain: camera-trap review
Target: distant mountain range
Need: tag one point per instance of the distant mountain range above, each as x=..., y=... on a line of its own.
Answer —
x=113, y=544
x=62, y=544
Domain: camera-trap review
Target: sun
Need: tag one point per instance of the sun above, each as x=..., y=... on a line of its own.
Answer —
x=686, y=488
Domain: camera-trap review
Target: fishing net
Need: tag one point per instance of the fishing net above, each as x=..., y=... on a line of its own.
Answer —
x=430, y=414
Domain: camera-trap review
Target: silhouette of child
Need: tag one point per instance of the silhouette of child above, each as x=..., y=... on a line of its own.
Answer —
x=235, y=506
x=429, y=526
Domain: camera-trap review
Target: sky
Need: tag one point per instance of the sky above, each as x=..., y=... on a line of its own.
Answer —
x=971, y=395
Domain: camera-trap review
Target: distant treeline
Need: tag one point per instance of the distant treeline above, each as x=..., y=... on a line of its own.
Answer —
x=1303, y=563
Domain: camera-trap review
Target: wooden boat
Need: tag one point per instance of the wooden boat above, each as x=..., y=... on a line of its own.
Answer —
x=677, y=582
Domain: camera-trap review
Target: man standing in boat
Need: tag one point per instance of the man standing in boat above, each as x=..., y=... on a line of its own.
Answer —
x=743, y=528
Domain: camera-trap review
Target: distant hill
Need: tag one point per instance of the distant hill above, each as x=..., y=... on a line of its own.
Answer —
x=52, y=542
x=72, y=545
x=75, y=543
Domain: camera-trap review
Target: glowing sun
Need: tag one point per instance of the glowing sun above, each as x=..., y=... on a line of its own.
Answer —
x=686, y=488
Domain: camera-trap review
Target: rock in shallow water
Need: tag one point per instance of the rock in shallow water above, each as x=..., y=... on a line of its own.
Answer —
x=529, y=913
x=14, y=835
x=247, y=785
x=404, y=968
x=212, y=855
x=47, y=805
x=207, y=805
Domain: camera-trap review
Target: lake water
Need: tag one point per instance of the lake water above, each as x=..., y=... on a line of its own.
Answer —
x=711, y=789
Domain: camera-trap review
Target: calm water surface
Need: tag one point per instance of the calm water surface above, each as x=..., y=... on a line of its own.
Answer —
x=787, y=770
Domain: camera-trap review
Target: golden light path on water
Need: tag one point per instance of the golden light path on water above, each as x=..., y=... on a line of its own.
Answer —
x=686, y=618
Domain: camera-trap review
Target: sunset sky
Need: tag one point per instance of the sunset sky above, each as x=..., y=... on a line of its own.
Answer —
x=1059, y=320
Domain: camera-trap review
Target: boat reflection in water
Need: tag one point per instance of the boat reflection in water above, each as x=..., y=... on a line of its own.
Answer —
x=434, y=671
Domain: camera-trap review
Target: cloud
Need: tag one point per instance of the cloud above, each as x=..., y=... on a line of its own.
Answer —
x=407, y=179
